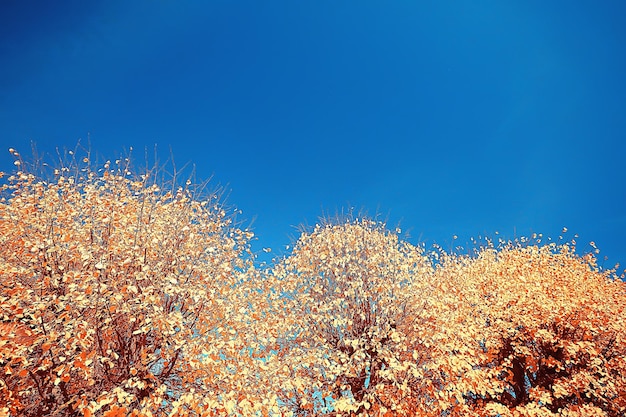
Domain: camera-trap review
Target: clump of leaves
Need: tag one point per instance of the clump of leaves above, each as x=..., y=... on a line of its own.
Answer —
x=528, y=331
x=116, y=296
x=349, y=302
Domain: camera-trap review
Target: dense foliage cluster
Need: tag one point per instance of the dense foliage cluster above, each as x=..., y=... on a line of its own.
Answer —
x=120, y=296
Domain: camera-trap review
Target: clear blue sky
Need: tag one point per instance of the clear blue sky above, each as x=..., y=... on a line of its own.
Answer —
x=448, y=117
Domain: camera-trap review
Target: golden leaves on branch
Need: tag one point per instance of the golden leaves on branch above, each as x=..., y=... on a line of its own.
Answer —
x=542, y=324
x=104, y=294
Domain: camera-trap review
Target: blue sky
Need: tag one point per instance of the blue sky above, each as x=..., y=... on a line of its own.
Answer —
x=447, y=117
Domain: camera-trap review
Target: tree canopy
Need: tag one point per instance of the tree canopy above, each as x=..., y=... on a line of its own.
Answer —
x=124, y=295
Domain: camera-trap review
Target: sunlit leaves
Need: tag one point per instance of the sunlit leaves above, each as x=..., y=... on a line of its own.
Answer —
x=373, y=329
x=538, y=333
x=110, y=291
x=350, y=295
x=127, y=296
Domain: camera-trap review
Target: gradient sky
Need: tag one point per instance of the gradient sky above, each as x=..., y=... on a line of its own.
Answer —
x=447, y=117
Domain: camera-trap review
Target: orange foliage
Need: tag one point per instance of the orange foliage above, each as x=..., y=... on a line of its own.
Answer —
x=349, y=303
x=113, y=294
x=529, y=331
x=122, y=298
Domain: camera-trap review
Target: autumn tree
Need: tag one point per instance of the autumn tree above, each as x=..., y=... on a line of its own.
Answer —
x=118, y=294
x=346, y=301
x=529, y=330
x=129, y=295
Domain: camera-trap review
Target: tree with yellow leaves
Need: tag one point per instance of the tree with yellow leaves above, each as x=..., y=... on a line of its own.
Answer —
x=117, y=296
x=528, y=330
x=349, y=299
